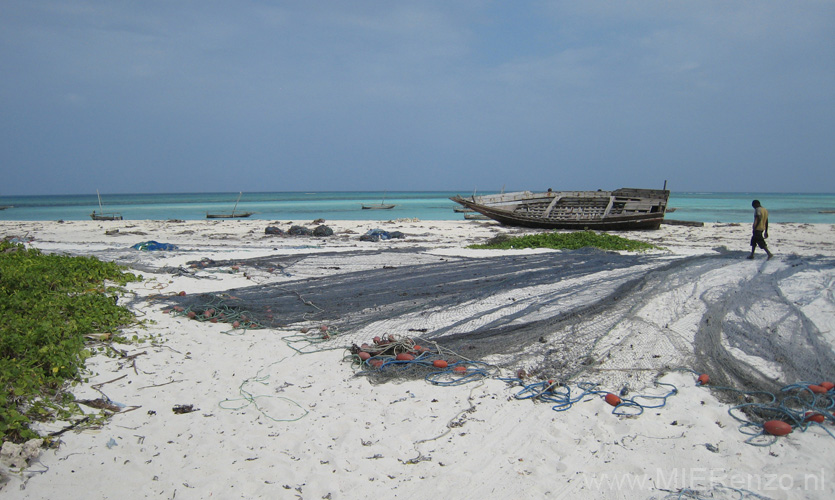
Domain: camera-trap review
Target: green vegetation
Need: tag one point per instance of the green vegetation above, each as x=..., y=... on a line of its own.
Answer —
x=48, y=305
x=568, y=241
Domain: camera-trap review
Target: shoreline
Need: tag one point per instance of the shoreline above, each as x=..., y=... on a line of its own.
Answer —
x=271, y=422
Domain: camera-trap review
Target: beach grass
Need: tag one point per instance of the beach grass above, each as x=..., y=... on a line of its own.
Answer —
x=566, y=241
x=49, y=304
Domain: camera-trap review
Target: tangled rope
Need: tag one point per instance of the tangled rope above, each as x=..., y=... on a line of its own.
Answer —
x=802, y=406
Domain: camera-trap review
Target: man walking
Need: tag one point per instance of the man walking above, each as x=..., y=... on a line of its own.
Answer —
x=760, y=229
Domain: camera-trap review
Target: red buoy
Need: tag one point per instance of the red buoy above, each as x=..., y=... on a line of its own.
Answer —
x=814, y=417
x=403, y=356
x=612, y=399
x=376, y=363
x=364, y=355
x=704, y=379
x=777, y=427
x=827, y=385
x=460, y=369
x=440, y=363
x=817, y=389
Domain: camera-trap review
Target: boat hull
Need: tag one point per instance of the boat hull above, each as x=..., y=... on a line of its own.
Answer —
x=229, y=216
x=624, y=209
x=378, y=207
x=105, y=216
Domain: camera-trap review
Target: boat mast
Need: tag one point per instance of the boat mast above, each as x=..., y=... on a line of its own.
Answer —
x=236, y=202
x=101, y=210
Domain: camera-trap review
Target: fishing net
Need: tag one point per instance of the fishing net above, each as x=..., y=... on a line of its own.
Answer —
x=581, y=316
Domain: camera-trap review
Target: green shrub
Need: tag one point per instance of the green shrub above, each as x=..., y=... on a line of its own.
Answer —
x=48, y=303
x=567, y=241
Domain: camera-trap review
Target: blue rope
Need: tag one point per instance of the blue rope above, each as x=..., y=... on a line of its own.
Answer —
x=792, y=408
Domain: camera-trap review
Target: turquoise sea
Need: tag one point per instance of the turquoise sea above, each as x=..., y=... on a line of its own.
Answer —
x=429, y=205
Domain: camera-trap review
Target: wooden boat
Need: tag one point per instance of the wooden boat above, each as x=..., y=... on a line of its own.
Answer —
x=381, y=206
x=102, y=215
x=234, y=214
x=378, y=206
x=620, y=210
x=3, y=207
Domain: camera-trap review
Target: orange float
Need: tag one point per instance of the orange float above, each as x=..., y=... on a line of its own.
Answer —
x=827, y=385
x=440, y=363
x=364, y=355
x=777, y=427
x=460, y=369
x=817, y=389
x=703, y=379
x=814, y=417
x=403, y=356
x=612, y=399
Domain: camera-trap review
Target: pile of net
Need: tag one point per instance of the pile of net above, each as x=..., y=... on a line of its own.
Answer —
x=617, y=320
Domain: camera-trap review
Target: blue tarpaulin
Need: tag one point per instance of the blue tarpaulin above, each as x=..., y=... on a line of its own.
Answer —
x=154, y=245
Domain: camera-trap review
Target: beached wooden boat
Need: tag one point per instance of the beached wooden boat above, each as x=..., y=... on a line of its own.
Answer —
x=234, y=214
x=102, y=215
x=620, y=210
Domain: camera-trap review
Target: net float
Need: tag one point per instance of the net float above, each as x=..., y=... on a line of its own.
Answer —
x=814, y=417
x=417, y=348
x=364, y=355
x=440, y=363
x=179, y=308
x=213, y=320
x=777, y=427
x=817, y=389
x=192, y=314
x=460, y=369
x=182, y=294
x=827, y=385
x=376, y=363
x=403, y=356
x=236, y=324
x=377, y=340
x=612, y=399
x=703, y=379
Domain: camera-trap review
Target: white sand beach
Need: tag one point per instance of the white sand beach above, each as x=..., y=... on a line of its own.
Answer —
x=270, y=420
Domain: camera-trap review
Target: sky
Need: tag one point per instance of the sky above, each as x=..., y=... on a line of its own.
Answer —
x=172, y=96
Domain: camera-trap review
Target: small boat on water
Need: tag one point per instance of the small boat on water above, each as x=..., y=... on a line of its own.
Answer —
x=619, y=210
x=381, y=206
x=378, y=206
x=234, y=214
x=102, y=215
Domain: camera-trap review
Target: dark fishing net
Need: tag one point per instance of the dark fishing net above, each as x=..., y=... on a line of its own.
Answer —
x=588, y=315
